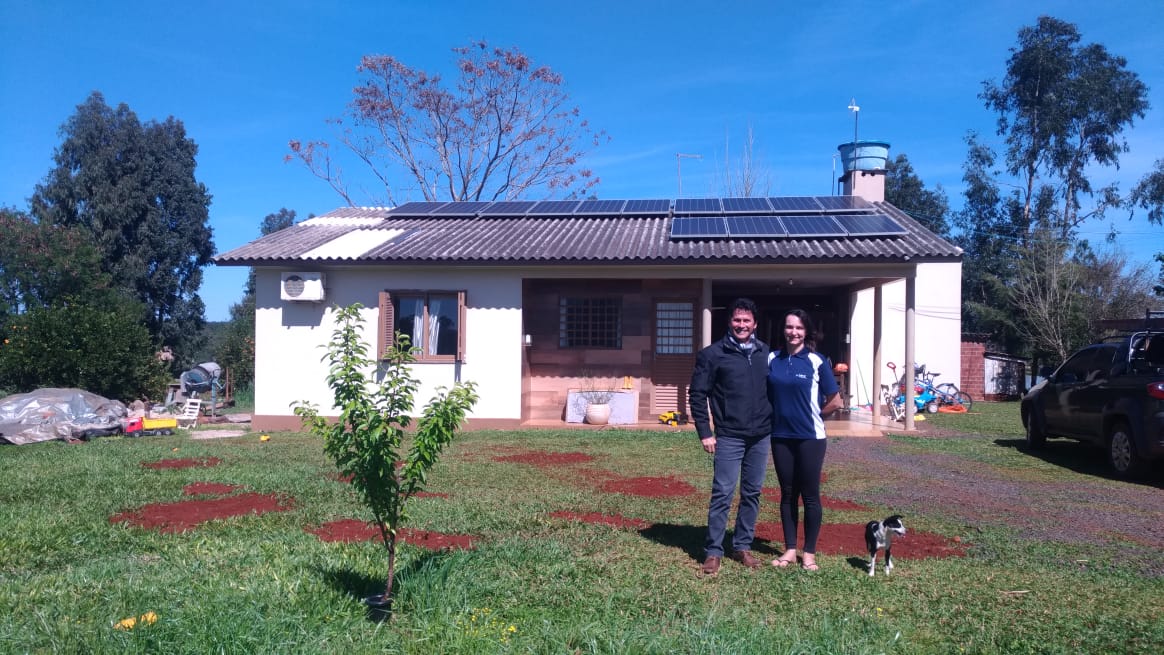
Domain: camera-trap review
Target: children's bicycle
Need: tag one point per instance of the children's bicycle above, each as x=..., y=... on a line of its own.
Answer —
x=947, y=393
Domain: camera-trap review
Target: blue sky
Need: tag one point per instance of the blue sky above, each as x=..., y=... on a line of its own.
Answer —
x=659, y=77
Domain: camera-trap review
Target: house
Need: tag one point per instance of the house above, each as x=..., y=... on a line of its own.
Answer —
x=534, y=300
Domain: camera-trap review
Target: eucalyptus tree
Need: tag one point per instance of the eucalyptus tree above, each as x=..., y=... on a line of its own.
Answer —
x=1063, y=108
x=132, y=187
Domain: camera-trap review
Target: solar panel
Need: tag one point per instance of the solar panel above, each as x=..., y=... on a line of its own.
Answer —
x=792, y=204
x=858, y=225
x=461, y=209
x=698, y=227
x=554, y=208
x=746, y=206
x=755, y=226
x=844, y=203
x=698, y=206
x=603, y=207
x=647, y=207
x=812, y=226
x=508, y=208
x=416, y=208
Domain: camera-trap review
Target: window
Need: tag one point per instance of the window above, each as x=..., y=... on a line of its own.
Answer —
x=590, y=323
x=674, y=328
x=433, y=320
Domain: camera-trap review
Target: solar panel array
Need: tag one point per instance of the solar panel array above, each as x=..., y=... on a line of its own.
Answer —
x=695, y=218
x=784, y=226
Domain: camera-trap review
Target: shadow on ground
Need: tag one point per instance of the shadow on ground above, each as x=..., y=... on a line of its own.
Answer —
x=1084, y=458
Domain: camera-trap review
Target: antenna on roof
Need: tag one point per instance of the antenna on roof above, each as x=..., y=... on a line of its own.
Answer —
x=679, y=163
x=856, y=113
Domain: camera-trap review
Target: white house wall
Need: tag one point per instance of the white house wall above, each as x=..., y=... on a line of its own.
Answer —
x=289, y=336
x=937, y=323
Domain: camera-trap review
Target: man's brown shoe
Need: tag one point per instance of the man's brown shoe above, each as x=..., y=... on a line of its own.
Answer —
x=711, y=565
x=746, y=558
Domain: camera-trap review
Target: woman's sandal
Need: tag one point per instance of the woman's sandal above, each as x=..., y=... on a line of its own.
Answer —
x=783, y=562
x=810, y=565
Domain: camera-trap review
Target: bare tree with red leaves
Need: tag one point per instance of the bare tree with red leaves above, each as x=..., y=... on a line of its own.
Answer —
x=505, y=131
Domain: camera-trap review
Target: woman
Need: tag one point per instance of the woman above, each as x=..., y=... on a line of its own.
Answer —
x=798, y=379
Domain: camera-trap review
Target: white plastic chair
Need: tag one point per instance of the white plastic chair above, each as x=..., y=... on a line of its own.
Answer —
x=190, y=413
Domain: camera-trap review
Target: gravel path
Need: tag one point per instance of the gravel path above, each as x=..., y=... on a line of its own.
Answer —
x=1064, y=505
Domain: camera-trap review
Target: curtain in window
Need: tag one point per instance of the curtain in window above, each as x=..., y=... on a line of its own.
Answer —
x=436, y=308
x=413, y=311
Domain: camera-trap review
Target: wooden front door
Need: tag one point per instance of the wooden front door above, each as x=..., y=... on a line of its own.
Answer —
x=674, y=351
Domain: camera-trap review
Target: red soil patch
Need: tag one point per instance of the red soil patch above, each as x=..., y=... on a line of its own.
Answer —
x=351, y=530
x=182, y=463
x=649, y=487
x=186, y=515
x=613, y=520
x=545, y=459
x=849, y=539
x=773, y=496
x=429, y=494
x=210, y=489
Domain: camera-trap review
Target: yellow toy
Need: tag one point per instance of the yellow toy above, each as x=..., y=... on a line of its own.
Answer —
x=673, y=418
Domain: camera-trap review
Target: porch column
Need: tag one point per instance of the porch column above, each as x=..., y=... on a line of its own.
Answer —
x=910, y=356
x=705, y=303
x=875, y=395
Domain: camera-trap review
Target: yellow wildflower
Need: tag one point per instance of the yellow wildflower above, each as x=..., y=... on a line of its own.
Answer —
x=126, y=624
x=149, y=618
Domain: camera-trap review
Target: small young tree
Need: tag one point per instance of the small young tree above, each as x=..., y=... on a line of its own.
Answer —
x=367, y=440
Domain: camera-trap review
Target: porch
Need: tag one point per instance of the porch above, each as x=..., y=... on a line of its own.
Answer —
x=855, y=423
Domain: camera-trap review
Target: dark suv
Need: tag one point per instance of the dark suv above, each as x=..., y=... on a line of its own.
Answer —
x=1110, y=393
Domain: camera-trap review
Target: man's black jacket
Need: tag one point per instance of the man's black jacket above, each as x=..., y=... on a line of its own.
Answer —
x=735, y=381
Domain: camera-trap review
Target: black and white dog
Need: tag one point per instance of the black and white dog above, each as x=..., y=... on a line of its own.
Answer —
x=878, y=535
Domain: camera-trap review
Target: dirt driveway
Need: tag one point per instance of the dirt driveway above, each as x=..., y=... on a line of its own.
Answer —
x=1064, y=495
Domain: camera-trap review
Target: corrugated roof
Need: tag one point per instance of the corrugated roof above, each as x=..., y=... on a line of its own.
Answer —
x=558, y=240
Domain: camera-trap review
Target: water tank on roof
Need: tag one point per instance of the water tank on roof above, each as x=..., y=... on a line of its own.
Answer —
x=864, y=155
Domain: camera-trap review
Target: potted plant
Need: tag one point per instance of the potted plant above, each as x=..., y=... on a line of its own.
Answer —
x=597, y=394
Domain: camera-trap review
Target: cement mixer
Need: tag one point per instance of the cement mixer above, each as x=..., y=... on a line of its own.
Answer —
x=203, y=378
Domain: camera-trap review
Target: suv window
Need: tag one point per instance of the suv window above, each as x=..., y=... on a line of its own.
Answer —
x=1088, y=364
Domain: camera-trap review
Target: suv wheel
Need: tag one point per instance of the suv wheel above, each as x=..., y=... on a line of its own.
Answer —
x=1035, y=436
x=1121, y=451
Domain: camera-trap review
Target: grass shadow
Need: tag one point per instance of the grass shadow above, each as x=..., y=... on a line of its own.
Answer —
x=689, y=538
x=361, y=586
x=1081, y=457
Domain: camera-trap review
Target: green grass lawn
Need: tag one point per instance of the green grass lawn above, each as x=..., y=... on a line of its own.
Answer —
x=533, y=584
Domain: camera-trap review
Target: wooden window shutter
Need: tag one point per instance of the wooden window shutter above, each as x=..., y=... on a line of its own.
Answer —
x=386, y=333
x=461, y=326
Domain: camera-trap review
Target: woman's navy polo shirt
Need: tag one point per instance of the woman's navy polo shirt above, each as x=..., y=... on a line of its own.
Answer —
x=796, y=385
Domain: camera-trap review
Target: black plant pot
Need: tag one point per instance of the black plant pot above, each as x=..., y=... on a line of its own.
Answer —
x=379, y=606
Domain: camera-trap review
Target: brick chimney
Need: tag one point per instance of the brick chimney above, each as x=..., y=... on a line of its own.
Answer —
x=864, y=169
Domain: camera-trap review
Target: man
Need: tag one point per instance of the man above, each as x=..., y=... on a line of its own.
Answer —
x=731, y=377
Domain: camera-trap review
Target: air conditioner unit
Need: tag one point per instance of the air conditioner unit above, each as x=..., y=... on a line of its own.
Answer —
x=301, y=287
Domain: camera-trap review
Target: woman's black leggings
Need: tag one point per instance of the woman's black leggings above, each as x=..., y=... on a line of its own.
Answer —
x=798, y=466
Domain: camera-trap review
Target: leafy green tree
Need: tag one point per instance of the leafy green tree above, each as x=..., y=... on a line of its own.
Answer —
x=104, y=349
x=42, y=264
x=989, y=228
x=132, y=186
x=1063, y=108
x=906, y=191
x=1148, y=194
x=367, y=441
